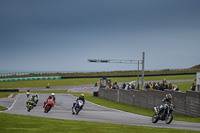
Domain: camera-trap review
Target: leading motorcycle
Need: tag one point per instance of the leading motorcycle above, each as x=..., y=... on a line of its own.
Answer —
x=48, y=105
x=165, y=114
x=77, y=107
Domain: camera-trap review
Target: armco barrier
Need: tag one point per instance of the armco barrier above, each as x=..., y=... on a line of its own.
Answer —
x=187, y=103
x=29, y=78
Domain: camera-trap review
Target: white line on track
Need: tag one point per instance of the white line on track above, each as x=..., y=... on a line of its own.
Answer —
x=11, y=105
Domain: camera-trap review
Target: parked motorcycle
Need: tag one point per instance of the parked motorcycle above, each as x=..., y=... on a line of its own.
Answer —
x=48, y=105
x=77, y=107
x=164, y=114
x=29, y=105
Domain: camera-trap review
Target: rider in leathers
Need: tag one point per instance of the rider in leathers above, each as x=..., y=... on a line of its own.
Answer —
x=165, y=100
x=80, y=98
x=52, y=96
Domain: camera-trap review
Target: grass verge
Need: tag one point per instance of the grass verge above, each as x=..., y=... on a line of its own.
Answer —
x=31, y=124
x=6, y=94
x=2, y=108
x=131, y=109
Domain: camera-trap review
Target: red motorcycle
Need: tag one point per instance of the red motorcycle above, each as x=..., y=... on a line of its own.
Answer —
x=49, y=104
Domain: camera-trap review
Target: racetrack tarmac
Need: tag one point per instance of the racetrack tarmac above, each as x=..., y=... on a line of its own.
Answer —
x=91, y=112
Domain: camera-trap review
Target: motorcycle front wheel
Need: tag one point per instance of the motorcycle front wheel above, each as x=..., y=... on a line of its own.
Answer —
x=29, y=108
x=169, y=119
x=154, y=118
x=77, y=110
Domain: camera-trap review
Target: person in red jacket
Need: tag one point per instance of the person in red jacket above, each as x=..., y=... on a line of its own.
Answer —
x=51, y=97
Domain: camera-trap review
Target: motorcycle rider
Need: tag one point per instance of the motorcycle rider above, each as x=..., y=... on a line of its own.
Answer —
x=29, y=102
x=79, y=98
x=28, y=93
x=48, y=85
x=34, y=99
x=165, y=101
x=52, y=96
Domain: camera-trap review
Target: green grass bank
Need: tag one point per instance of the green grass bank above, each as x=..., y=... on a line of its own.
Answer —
x=30, y=124
x=82, y=81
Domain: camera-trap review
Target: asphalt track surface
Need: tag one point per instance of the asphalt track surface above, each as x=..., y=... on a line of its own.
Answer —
x=91, y=112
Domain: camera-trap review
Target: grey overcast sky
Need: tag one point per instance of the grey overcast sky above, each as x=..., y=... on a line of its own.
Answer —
x=60, y=35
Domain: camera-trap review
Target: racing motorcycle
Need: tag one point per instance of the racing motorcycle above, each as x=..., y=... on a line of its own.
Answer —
x=30, y=105
x=36, y=100
x=28, y=94
x=77, y=107
x=164, y=114
x=48, y=105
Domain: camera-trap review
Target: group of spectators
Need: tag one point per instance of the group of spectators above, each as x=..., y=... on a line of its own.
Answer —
x=114, y=86
x=156, y=86
x=124, y=86
x=128, y=86
x=161, y=86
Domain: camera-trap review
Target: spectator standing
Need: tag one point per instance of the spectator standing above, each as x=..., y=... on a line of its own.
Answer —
x=165, y=86
x=147, y=86
x=161, y=86
x=154, y=85
x=127, y=86
x=193, y=87
x=132, y=86
x=151, y=86
x=175, y=88
x=117, y=86
x=113, y=86
x=138, y=87
x=157, y=87
x=164, y=80
x=123, y=86
x=169, y=85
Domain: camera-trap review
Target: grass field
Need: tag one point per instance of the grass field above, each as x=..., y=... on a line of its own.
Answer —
x=30, y=124
x=82, y=81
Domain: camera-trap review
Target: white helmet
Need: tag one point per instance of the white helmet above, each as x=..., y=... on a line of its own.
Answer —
x=52, y=94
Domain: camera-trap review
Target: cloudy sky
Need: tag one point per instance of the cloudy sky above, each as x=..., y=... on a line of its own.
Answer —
x=61, y=35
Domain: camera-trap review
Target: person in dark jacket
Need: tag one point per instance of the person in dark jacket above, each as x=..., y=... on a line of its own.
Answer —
x=193, y=87
x=169, y=85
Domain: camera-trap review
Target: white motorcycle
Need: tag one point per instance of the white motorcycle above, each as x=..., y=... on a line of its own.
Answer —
x=28, y=94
